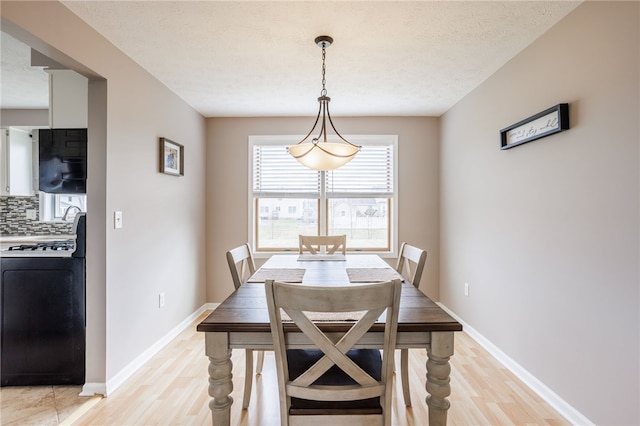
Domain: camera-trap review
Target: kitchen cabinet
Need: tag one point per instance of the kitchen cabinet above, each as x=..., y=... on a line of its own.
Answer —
x=17, y=162
x=42, y=312
x=62, y=161
x=68, y=94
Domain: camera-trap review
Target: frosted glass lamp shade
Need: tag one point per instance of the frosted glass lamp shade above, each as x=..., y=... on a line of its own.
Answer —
x=323, y=155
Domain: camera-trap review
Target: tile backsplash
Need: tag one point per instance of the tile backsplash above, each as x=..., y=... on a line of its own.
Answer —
x=14, y=222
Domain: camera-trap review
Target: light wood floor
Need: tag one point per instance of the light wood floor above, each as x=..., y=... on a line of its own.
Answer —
x=171, y=389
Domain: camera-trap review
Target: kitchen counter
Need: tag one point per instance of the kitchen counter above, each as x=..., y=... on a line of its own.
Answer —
x=31, y=239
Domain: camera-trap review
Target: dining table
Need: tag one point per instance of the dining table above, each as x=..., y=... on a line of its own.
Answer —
x=242, y=322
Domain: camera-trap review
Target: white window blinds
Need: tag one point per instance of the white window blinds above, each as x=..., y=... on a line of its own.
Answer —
x=369, y=174
x=277, y=174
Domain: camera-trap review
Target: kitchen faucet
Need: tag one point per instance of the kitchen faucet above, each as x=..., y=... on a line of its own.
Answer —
x=66, y=212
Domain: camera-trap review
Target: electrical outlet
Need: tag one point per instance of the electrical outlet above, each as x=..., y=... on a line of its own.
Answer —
x=31, y=214
x=161, y=300
x=466, y=289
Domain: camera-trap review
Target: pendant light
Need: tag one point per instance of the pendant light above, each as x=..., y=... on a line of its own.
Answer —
x=322, y=153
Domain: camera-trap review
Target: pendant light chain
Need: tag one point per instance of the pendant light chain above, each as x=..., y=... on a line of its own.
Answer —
x=324, y=70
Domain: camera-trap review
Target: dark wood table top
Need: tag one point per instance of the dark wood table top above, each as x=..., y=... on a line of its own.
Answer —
x=245, y=310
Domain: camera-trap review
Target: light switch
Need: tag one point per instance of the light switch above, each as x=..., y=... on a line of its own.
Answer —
x=117, y=219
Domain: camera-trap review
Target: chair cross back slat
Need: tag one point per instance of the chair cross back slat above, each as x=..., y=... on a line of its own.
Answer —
x=315, y=244
x=335, y=353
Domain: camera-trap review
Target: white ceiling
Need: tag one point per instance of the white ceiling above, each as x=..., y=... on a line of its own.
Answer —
x=21, y=85
x=258, y=58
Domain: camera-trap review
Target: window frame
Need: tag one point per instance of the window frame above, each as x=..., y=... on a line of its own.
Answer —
x=285, y=140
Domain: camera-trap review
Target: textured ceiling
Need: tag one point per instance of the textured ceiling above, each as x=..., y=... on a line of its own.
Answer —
x=239, y=58
x=21, y=85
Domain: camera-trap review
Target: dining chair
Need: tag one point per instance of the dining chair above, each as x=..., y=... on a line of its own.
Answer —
x=333, y=383
x=242, y=266
x=410, y=264
x=314, y=244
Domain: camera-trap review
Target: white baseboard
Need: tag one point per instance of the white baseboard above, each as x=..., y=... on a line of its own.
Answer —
x=90, y=389
x=549, y=396
x=207, y=307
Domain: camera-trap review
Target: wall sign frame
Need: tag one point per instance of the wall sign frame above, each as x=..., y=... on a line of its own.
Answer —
x=171, y=157
x=545, y=123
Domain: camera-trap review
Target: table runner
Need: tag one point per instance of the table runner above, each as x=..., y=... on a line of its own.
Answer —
x=287, y=275
x=320, y=257
x=372, y=275
x=327, y=316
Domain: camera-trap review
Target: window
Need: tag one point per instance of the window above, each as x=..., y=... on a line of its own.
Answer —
x=358, y=199
x=55, y=207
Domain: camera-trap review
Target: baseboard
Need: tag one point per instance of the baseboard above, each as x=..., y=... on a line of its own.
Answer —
x=550, y=397
x=90, y=389
x=208, y=307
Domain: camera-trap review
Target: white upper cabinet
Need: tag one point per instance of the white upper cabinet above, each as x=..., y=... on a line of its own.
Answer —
x=68, y=94
x=16, y=164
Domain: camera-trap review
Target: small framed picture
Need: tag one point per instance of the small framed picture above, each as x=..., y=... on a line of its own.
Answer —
x=171, y=157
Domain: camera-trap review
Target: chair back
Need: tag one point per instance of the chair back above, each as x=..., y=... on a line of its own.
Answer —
x=341, y=387
x=411, y=262
x=326, y=244
x=241, y=264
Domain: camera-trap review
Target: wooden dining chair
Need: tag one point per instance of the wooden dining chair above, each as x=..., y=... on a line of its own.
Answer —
x=410, y=264
x=242, y=266
x=333, y=382
x=315, y=244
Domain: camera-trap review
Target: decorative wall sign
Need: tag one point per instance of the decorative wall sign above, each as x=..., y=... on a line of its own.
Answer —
x=545, y=123
x=171, y=157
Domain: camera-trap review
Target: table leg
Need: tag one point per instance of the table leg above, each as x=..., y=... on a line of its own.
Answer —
x=220, y=384
x=438, y=371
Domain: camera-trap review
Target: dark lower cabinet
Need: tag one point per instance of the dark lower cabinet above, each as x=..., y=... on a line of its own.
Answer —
x=43, y=321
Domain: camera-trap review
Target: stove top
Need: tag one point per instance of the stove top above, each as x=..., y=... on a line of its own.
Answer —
x=55, y=248
x=58, y=245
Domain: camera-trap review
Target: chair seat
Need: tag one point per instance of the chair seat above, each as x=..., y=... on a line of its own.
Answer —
x=300, y=360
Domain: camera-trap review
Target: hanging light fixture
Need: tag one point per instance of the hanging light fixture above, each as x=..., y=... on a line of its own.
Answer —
x=320, y=153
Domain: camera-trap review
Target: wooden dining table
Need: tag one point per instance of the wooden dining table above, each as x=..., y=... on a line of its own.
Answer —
x=242, y=321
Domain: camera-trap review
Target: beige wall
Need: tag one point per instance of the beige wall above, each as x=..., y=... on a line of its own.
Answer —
x=161, y=246
x=547, y=233
x=228, y=174
x=24, y=117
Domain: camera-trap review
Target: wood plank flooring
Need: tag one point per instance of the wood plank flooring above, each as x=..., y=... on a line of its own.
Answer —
x=171, y=389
